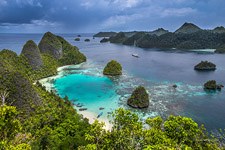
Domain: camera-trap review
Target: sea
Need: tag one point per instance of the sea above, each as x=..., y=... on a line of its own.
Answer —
x=156, y=69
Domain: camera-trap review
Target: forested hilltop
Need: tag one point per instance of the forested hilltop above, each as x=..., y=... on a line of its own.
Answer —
x=33, y=118
x=188, y=36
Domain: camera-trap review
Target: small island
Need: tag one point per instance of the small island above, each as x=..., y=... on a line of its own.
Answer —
x=104, y=40
x=212, y=85
x=205, y=66
x=139, y=98
x=77, y=39
x=87, y=40
x=113, y=68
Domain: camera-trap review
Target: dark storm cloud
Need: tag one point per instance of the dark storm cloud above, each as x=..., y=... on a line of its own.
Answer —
x=96, y=15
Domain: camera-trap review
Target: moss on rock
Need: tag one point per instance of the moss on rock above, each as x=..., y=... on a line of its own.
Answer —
x=139, y=98
x=113, y=68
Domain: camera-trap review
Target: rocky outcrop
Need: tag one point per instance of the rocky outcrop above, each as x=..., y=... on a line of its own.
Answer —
x=212, y=85
x=139, y=98
x=113, y=68
x=205, y=66
x=50, y=44
x=32, y=53
x=87, y=40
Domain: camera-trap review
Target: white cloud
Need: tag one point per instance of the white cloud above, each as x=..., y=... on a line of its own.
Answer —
x=178, y=12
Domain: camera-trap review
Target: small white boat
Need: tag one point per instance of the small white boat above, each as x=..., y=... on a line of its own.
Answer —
x=99, y=115
x=135, y=55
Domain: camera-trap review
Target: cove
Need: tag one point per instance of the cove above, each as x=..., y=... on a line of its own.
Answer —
x=91, y=91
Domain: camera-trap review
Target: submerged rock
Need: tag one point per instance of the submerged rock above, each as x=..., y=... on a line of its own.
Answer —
x=174, y=86
x=113, y=68
x=205, y=66
x=32, y=53
x=139, y=98
x=51, y=45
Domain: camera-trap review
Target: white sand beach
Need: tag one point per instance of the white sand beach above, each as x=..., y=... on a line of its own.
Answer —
x=92, y=117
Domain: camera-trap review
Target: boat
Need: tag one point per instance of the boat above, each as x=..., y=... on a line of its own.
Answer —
x=135, y=55
x=100, y=114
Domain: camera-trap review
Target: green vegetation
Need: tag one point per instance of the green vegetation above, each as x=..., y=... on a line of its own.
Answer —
x=212, y=85
x=188, y=36
x=139, y=98
x=221, y=49
x=205, y=66
x=71, y=54
x=118, y=38
x=33, y=118
x=104, y=40
x=105, y=34
x=113, y=68
x=128, y=132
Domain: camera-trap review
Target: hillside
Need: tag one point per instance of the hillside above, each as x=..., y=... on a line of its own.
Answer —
x=188, y=36
x=33, y=118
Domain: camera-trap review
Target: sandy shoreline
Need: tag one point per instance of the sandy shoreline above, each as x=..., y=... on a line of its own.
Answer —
x=86, y=114
x=92, y=117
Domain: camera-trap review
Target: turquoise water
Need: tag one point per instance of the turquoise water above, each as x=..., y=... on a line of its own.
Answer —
x=91, y=91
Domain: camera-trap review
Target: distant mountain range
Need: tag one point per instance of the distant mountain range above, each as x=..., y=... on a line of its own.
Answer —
x=188, y=36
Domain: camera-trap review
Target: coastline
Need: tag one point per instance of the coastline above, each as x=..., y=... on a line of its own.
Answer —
x=91, y=116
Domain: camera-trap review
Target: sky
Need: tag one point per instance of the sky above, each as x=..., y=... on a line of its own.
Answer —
x=90, y=16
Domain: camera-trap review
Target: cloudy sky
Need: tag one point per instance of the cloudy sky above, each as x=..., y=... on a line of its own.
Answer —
x=67, y=16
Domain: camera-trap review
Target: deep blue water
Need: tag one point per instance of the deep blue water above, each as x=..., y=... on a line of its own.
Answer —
x=155, y=69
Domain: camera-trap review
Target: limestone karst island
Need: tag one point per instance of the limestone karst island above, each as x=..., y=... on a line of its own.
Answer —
x=112, y=75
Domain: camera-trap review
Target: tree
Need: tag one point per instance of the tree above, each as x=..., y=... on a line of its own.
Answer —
x=3, y=95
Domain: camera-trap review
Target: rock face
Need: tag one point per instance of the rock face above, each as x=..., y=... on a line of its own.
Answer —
x=205, y=66
x=32, y=53
x=187, y=28
x=50, y=44
x=113, y=68
x=212, y=85
x=139, y=98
